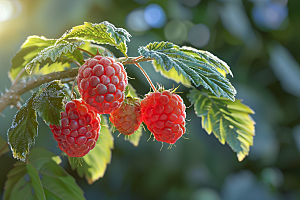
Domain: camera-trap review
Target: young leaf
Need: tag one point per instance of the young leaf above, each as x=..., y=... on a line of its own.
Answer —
x=22, y=133
x=29, y=49
x=3, y=146
x=93, y=165
x=135, y=137
x=101, y=33
x=59, y=49
x=191, y=66
x=49, y=102
x=41, y=177
x=229, y=121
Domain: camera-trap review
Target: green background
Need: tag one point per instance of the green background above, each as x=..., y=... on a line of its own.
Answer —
x=260, y=42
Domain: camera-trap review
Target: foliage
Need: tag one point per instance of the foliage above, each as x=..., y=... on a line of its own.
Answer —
x=41, y=177
x=229, y=121
x=221, y=114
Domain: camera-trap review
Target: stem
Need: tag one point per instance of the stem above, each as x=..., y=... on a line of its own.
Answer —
x=132, y=60
x=146, y=75
x=86, y=51
x=12, y=96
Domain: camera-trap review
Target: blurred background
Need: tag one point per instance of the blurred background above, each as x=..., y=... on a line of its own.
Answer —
x=260, y=41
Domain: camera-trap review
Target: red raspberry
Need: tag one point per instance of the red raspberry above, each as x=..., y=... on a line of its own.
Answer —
x=101, y=83
x=128, y=117
x=164, y=114
x=79, y=129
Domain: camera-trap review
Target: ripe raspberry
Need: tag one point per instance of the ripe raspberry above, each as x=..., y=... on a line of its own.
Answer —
x=79, y=129
x=101, y=83
x=164, y=114
x=128, y=117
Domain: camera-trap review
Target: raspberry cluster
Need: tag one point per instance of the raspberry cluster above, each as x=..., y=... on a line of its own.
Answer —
x=101, y=83
x=79, y=129
x=128, y=118
x=164, y=114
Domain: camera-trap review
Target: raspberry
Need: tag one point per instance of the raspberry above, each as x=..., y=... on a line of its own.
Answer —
x=128, y=117
x=101, y=83
x=79, y=129
x=164, y=114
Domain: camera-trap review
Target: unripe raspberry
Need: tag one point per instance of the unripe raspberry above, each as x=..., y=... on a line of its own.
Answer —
x=101, y=83
x=79, y=130
x=128, y=117
x=164, y=114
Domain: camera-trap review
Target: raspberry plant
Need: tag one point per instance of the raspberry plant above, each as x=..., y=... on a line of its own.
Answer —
x=52, y=66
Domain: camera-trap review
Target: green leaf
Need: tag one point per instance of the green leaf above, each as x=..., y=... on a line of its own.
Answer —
x=229, y=121
x=3, y=146
x=135, y=137
x=36, y=181
x=171, y=74
x=100, y=33
x=49, y=102
x=199, y=70
x=40, y=177
x=59, y=49
x=22, y=133
x=93, y=165
x=29, y=49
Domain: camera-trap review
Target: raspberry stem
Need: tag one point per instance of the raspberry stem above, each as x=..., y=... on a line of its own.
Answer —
x=146, y=75
x=86, y=51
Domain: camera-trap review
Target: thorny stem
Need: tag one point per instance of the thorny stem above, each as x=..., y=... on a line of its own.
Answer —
x=146, y=75
x=12, y=96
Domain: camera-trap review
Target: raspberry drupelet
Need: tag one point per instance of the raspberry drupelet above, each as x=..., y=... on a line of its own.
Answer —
x=164, y=114
x=79, y=129
x=101, y=83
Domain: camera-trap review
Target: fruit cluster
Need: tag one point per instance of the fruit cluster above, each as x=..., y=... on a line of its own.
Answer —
x=101, y=83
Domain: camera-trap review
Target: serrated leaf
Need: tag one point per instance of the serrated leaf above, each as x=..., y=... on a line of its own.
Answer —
x=189, y=64
x=3, y=146
x=59, y=49
x=29, y=49
x=229, y=121
x=40, y=177
x=49, y=102
x=21, y=135
x=93, y=165
x=135, y=137
x=100, y=33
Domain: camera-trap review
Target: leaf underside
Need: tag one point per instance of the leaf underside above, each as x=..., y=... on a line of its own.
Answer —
x=93, y=165
x=229, y=121
x=49, y=102
x=199, y=67
x=21, y=135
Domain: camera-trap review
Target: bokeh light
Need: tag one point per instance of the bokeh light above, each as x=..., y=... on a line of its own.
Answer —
x=176, y=31
x=199, y=35
x=6, y=10
x=270, y=15
x=155, y=16
x=136, y=22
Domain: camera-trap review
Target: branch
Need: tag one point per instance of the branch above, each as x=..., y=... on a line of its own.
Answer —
x=132, y=60
x=12, y=96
